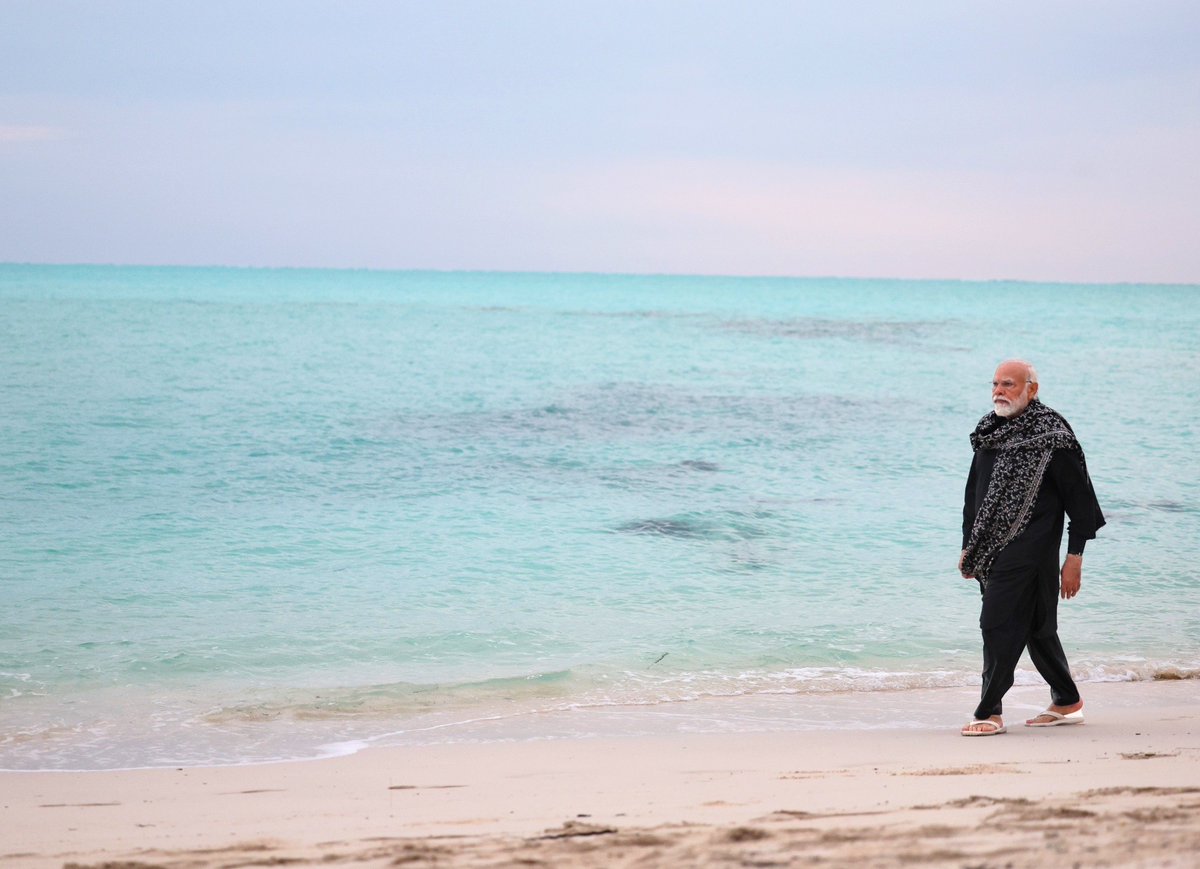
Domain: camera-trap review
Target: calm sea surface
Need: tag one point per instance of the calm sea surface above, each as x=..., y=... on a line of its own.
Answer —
x=257, y=514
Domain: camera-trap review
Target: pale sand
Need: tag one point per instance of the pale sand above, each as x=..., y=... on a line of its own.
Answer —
x=1121, y=790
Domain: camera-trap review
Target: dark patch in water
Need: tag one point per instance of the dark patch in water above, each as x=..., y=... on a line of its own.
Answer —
x=680, y=528
x=1170, y=506
x=747, y=564
x=697, y=465
x=633, y=315
x=620, y=410
x=813, y=328
x=732, y=527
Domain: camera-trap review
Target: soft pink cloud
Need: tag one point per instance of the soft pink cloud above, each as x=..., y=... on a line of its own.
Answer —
x=10, y=133
x=728, y=216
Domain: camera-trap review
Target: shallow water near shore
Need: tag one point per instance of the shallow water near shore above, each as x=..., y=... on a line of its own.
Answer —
x=264, y=514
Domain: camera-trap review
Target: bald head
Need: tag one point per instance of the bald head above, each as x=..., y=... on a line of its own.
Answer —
x=1014, y=385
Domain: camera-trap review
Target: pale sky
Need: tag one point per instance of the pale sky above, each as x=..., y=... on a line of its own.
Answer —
x=976, y=140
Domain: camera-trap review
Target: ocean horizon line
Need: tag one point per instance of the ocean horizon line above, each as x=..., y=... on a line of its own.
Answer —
x=573, y=273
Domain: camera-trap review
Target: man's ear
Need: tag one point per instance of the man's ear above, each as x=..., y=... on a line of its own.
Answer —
x=1033, y=391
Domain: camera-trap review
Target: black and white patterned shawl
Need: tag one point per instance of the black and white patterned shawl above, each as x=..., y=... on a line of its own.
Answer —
x=1024, y=446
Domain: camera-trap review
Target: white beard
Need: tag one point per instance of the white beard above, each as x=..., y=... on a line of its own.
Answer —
x=1009, y=409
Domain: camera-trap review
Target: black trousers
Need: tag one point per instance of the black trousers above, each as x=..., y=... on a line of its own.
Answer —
x=1002, y=647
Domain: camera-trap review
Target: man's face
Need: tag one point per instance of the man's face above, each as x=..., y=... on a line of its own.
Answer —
x=1011, y=391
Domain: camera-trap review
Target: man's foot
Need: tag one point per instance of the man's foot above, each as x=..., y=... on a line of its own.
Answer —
x=985, y=727
x=1055, y=716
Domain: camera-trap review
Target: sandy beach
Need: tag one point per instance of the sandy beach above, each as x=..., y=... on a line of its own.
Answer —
x=1121, y=790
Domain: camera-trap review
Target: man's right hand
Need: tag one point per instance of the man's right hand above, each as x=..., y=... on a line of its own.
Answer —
x=961, y=556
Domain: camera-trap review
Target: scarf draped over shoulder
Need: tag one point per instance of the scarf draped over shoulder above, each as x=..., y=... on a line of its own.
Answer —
x=1023, y=446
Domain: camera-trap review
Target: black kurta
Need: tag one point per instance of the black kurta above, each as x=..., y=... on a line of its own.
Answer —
x=1022, y=589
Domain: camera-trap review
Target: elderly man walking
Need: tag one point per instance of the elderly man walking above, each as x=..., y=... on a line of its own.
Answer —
x=1028, y=470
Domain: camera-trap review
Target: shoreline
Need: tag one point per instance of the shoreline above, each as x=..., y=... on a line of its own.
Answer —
x=141, y=739
x=1130, y=776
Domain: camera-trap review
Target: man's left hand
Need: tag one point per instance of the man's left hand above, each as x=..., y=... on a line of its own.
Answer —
x=1072, y=577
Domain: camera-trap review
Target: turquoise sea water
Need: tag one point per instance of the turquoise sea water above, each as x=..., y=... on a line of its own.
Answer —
x=255, y=514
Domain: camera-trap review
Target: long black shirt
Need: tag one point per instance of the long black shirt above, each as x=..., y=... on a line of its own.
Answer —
x=1024, y=577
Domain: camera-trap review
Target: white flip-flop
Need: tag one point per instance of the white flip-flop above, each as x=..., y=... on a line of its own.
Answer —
x=1056, y=719
x=996, y=728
